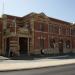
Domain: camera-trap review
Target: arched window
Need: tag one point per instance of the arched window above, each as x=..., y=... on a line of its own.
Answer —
x=61, y=41
x=51, y=43
x=67, y=44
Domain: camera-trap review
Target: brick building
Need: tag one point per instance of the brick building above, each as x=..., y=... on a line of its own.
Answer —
x=35, y=34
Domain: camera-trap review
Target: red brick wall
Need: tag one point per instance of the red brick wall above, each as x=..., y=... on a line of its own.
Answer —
x=38, y=34
x=37, y=25
x=73, y=42
x=46, y=40
x=1, y=26
x=36, y=39
x=0, y=34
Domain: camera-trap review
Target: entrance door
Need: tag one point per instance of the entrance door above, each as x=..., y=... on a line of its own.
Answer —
x=7, y=47
x=23, y=43
x=61, y=46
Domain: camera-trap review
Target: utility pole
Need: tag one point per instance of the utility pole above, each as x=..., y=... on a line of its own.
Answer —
x=3, y=29
x=3, y=7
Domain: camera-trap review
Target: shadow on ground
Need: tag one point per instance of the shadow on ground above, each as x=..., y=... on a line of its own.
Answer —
x=33, y=57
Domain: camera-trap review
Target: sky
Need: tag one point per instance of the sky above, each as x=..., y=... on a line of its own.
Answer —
x=59, y=9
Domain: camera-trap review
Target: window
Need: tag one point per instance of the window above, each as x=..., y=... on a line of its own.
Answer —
x=63, y=30
x=50, y=28
x=68, y=31
x=41, y=27
x=52, y=43
x=41, y=43
x=0, y=42
x=8, y=25
x=53, y=28
x=56, y=29
x=72, y=31
x=67, y=44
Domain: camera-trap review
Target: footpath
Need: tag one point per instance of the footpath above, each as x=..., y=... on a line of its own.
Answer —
x=12, y=65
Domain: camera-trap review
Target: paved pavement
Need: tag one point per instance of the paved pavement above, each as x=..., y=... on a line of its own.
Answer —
x=58, y=70
x=9, y=65
x=3, y=58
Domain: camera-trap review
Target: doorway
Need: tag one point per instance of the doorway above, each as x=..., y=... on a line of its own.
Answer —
x=7, y=47
x=23, y=43
x=61, y=46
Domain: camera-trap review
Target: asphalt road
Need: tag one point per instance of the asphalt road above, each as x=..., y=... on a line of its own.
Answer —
x=62, y=70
